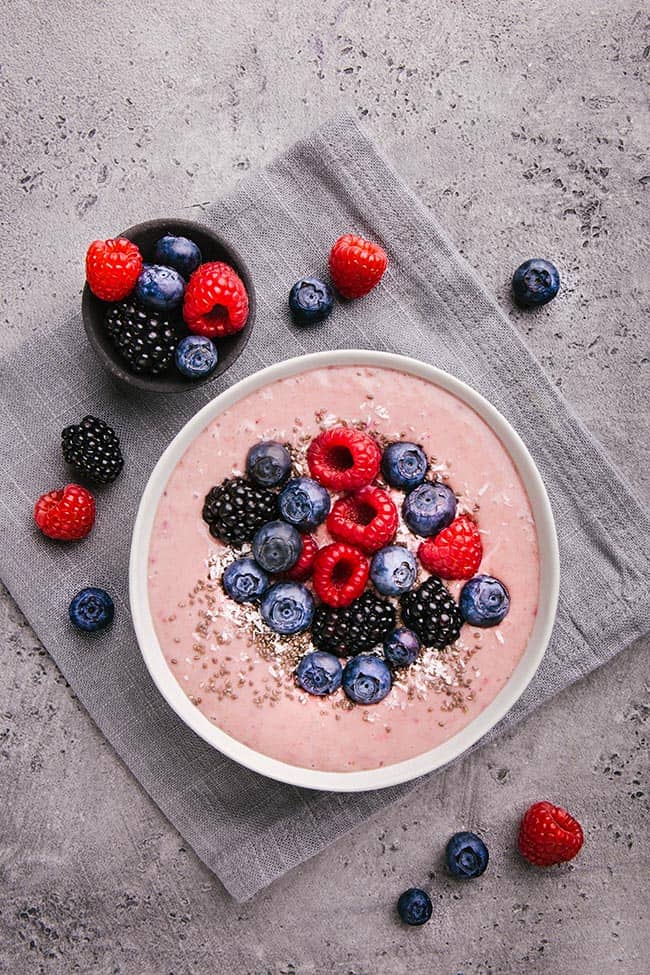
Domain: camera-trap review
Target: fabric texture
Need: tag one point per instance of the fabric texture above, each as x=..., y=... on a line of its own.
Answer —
x=247, y=829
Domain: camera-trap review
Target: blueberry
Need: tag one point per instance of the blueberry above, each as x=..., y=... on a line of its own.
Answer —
x=92, y=609
x=277, y=546
x=158, y=287
x=245, y=581
x=484, y=601
x=404, y=465
x=366, y=679
x=319, y=673
x=310, y=301
x=393, y=570
x=535, y=282
x=466, y=856
x=402, y=647
x=414, y=906
x=304, y=503
x=287, y=608
x=268, y=463
x=429, y=508
x=196, y=356
x=178, y=252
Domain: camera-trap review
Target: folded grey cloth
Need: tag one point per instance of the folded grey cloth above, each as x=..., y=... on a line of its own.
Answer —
x=247, y=829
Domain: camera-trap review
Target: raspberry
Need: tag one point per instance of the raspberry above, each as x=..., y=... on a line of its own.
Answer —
x=548, y=834
x=112, y=268
x=344, y=459
x=340, y=574
x=356, y=265
x=455, y=552
x=367, y=519
x=305, y=564
x=65, y=515
x=216, y=302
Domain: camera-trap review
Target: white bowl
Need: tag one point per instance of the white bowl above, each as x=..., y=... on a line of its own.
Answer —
x=412, y=768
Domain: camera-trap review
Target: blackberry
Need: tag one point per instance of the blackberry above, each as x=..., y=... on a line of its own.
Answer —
x=145, y=339
x=93, y=450
x=235, y=509
x=431, y=611
x=353, y=629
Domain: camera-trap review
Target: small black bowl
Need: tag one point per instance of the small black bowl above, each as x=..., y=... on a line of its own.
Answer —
x=213, y=248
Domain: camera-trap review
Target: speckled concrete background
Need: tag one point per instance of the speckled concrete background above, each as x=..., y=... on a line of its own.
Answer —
x=524, y=127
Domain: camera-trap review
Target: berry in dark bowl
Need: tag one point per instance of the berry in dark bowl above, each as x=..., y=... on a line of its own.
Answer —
x=160, y=373
x=160, y=288
x=181, y=253
x=535, y=282
x=196, y=356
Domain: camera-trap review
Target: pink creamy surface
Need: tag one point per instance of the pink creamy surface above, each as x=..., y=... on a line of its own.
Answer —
x=315, y=732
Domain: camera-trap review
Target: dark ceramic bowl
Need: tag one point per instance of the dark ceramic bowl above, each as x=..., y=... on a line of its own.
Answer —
x=213, y=248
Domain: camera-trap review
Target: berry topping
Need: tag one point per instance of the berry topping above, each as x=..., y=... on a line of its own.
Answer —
x=343, y=458
x=160, y=288
x=319, y=673
x=404, y=465
x=287, y=608
x=366, y=679
x=277, y=546
x=65, y=515
x=393, y=570
x=235, y=509
x=268, y=463
x=144, y=339
x=310, y=301
x=402, y=647
x=196, y=356
x=112, y=268
x=93, y=450
x=466, y=856
x=304, y=503
x=429, y=508
x=414, y=907
x=368, y=518
x=548, y=834
x=178, y=252
x=244, y=581
x=91, y=609
x=352, y=629
x=356, y=265
x=340, y=574
x=535, y=283
x=216, y=302
x=305, y=564
x=455, y=552
x=431, y=612
x=484, y=601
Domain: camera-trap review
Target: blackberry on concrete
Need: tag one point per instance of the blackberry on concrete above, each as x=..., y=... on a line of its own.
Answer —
x=235, y=509
x=92, y=448
x=432, y=613
x=145, y=339
x=353, y=629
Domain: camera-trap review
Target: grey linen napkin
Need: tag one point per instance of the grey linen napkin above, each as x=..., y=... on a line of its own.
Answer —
x=247, y=829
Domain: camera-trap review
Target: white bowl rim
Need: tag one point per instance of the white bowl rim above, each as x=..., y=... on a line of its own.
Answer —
x=419, y=765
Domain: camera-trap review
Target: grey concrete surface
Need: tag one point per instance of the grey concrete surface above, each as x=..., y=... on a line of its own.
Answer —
x=525, y=128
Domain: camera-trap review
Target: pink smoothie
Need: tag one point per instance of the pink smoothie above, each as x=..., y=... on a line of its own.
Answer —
x=240, y=675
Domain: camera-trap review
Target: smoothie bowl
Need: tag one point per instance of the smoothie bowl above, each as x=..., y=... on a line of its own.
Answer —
x=344, y=570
